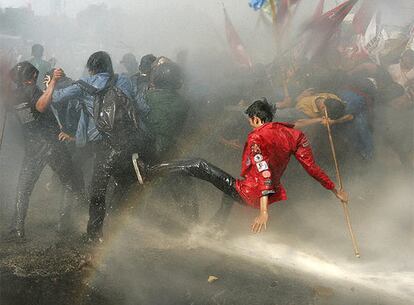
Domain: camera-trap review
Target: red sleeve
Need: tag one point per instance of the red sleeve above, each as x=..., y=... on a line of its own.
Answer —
x=305, y=157
x=260, y=165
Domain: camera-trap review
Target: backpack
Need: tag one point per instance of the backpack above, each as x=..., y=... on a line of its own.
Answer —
x=114, y=113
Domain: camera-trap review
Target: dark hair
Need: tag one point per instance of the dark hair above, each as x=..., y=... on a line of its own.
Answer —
x=100, y=62
x=146, y=63
x=261, y=109
x=335, y=108
x=22, y=72
x=37, y=50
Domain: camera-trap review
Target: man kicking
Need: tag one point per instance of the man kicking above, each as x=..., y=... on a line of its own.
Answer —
x=265, y=157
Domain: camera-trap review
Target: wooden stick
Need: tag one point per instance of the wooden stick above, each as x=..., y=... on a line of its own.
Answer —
x=4, y=119
x=338, y=176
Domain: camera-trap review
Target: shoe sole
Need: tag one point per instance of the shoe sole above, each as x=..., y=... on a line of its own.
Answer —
x=135, y=157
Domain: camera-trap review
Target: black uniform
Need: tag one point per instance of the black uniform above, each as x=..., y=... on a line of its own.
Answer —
x=41, y=147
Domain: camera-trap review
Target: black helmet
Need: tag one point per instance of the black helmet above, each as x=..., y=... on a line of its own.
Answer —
x=166, y=75
x=22, y=72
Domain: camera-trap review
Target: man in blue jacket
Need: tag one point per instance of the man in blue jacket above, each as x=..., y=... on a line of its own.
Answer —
x=109, y=161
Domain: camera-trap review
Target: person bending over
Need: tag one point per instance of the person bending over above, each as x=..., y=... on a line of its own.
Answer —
x=266, y=155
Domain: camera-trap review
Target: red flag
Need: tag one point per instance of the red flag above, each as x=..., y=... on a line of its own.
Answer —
x=283, y=10
x=335, y=16
x=238, y=50
x=364, y=16
x=284, y=19
x=318, y=10
x=321, y=30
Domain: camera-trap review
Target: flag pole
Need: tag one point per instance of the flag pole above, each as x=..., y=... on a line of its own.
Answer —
x=339, y=179
x=273, y=8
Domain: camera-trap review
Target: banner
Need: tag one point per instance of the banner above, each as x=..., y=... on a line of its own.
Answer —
x=236, y=46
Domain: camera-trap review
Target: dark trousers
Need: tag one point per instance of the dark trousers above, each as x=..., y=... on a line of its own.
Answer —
x=39, y=153
x=175, y=189
x=201, y=169
x=108, y=162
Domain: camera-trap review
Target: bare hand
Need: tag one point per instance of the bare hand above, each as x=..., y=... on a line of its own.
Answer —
x=325, y=121
x=47, y=80
x=285, y=103
x=341, y=195
x=235, y=144
x=65, y=137
x=260, y=222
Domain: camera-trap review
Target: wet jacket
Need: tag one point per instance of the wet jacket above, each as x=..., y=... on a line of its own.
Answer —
x=168, y=112
x=265, y=157
x=35, y=124
x=87, y=131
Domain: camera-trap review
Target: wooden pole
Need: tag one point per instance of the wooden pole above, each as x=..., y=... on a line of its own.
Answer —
x=3, y=125
x=274, y=11
x=339, y=179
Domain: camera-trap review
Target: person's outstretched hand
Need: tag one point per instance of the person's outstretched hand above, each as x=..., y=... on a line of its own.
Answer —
x=260, y=222
x=341, y=195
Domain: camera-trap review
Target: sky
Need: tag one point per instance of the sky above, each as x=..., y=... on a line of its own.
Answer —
x=395, y=11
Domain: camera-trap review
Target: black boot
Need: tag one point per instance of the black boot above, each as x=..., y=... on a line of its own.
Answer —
x=17, y=228
x=93, y=237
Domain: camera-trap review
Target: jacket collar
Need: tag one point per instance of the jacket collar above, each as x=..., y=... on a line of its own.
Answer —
x=267, y=125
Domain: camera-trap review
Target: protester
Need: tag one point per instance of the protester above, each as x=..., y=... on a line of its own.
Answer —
x=403, y=72
x=265, y=158
x=359, y=97
x=165, y=121
x=309, y=109
x=143, y=77
x=168, y=108
x=41, y=65
x=130, y=64
x=396, y=125
x=111, y=160
x=42, y=147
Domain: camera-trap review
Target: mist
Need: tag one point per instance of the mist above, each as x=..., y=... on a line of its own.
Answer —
x=155, y=255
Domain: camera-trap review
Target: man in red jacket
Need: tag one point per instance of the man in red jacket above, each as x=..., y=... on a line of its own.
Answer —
x=265, y=157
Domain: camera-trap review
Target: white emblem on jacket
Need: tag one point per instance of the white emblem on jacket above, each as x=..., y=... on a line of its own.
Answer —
x=262, y=166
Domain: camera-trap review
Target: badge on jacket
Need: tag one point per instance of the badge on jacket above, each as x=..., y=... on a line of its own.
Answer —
x=266, y=174
x=258, y=158
x=255, y=149
x=262, y=166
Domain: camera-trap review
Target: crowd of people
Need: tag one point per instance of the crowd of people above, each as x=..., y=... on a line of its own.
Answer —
x=129, y=125
x=61, y=129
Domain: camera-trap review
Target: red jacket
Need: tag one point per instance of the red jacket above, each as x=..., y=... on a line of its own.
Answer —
x=265, y=157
